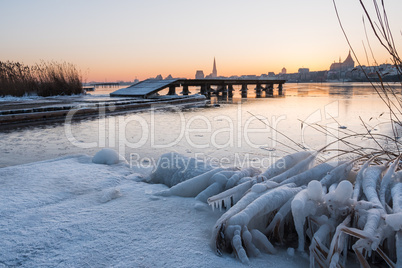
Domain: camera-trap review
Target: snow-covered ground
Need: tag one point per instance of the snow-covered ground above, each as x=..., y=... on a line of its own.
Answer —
x=24, y=98
x=70, y=212
x=69, y=98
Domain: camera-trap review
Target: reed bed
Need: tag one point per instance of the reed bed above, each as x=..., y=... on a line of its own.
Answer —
x=42, y=79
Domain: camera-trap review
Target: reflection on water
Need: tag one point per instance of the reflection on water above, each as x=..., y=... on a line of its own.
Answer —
x=235, y=129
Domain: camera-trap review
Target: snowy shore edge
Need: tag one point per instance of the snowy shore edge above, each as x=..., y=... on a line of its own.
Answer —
x=71, y=212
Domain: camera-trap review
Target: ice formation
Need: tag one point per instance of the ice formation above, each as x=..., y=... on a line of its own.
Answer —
x=188, y=177
x=58, y=219
x=110, y=194
x=107, y=156
x=331, y=216
x=173, y=168
x=318, y=203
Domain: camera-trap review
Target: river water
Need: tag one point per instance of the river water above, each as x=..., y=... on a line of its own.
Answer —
x=252, y=131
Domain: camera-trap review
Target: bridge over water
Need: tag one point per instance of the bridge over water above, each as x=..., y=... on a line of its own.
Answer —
x=150, y=87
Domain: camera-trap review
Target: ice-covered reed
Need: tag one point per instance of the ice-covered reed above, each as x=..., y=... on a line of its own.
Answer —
x=319, y=204
x=322, y=211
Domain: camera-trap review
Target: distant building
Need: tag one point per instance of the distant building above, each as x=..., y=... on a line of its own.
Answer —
x=214, y=71
x=199, y=74
x=159, y=77
x=304, y=70
x=271, y=74
x=303, y=75
x=343, y=66
x=283, y=70
x=249, y=76
x=169, y=77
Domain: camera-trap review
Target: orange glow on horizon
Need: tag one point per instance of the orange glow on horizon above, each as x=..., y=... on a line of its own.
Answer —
x=125, y=40
x=129, y=72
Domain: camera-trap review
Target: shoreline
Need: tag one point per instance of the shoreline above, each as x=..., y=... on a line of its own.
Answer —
x=32, y=111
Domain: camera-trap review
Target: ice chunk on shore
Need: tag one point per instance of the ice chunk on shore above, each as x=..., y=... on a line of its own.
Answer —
x=107, y=156
x=110, y=194
x=173, y=168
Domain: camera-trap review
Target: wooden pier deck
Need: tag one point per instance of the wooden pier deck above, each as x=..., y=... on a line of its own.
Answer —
x=150, y=87
x=106, y=84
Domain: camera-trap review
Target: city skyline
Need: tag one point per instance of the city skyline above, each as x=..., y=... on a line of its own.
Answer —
x=124, y=40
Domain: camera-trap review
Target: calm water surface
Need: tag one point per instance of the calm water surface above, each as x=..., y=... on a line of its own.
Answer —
x=236, y=132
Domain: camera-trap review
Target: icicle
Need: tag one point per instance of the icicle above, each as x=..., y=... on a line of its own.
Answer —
x=359, y=179
x=296, y=169
x=332, y=187
x=238, y=175
x=396, y=193
x=234, y=193
x=261, y=241
x=398, y=247
x=337, y=174
x=193, y=186
x=386, y=180
x=315, y=173
x=371, y=178
x=285, y=163
x=299, y=215
x=227, y=202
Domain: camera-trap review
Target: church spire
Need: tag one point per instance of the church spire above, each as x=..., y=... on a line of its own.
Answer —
x=214, y=71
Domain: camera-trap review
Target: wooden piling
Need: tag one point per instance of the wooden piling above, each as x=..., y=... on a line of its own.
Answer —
x=230, y=91
x=280, y=89
x=172, y=90
x=258, y=90
x=185, y=90
x=244, y=90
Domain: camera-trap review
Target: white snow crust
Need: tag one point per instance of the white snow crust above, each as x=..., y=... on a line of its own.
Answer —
x=70, y=212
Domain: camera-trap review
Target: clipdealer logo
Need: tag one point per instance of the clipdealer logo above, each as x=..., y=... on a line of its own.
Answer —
x=195, y=131
x=199, y=132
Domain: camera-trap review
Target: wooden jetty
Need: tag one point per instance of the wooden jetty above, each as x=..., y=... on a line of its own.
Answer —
x=15, y=113
x=106, y=84
x=149, y=87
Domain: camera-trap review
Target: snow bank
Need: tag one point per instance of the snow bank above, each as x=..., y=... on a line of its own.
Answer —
x=24, y=98
x=70, y=212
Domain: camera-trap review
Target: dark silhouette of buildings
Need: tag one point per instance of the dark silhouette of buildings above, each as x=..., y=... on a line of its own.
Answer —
x=339, y=71
x=348, y=63
x=199, y=74
x=214, y=71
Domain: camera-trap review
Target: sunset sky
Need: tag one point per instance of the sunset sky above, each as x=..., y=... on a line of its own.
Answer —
x=124, y=40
